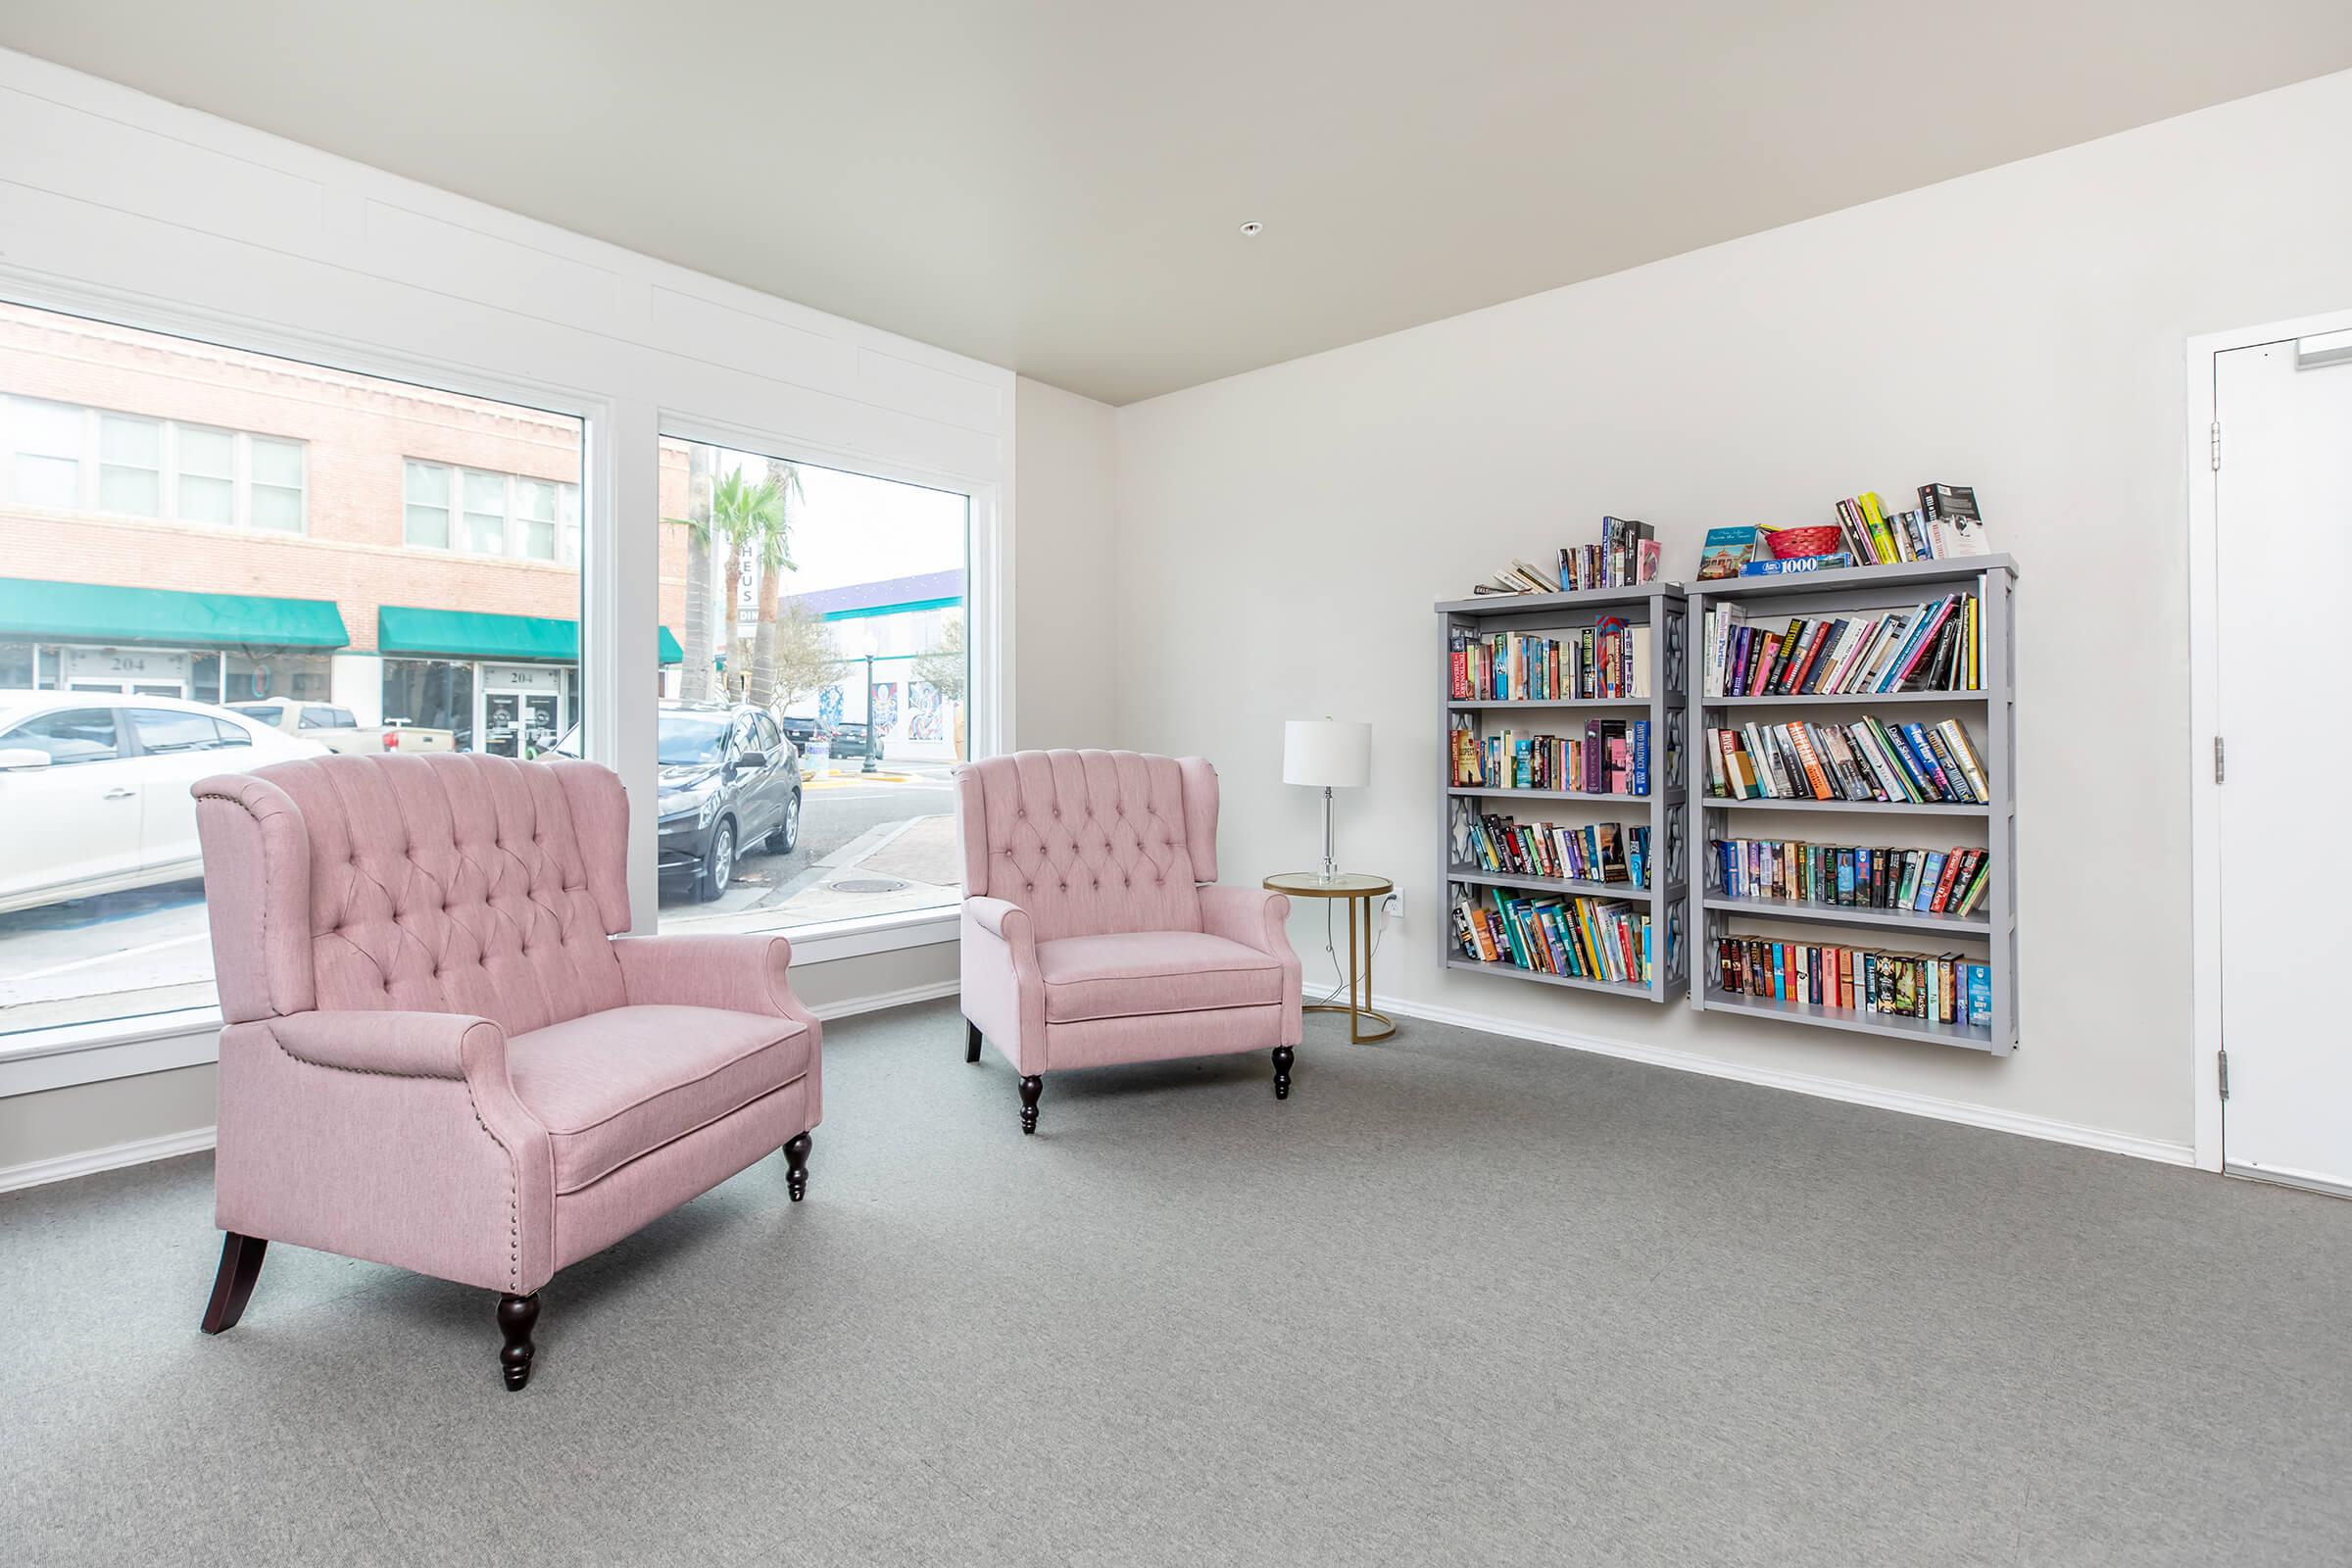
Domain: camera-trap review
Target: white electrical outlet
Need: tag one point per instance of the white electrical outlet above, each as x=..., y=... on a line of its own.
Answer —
x=1392, y=909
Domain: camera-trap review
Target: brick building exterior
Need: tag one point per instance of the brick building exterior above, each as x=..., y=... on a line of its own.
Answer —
x=241, y=493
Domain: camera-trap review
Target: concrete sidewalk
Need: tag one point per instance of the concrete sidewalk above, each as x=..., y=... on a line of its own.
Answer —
x=900, y=865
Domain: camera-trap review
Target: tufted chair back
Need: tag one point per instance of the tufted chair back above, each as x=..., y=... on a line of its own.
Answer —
x=1090, y=841
x=445, y=883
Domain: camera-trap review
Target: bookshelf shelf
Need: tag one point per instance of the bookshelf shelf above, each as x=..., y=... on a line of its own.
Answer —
x=1543, y=884
x=1847, y=699
x=1892, y=1026
x=1989, y=934
x=1511, y=971
x=1663, y=810
x=1766, y=802
x=1957, y=925
x=1460, y=790
x=1506, y=703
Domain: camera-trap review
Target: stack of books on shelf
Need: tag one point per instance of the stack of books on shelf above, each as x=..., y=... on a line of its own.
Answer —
x=1611, y=757
x=1627, y=556
x=1869, y=759
x=1853, y=876
x=1587, y=939
x=1940, y=988
x=1945, y=526
x=1934, y=647
x=1606, y=661
x=1598, y=851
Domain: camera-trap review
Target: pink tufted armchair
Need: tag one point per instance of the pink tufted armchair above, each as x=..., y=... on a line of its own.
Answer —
x=1093, y=928
x=442, y=1051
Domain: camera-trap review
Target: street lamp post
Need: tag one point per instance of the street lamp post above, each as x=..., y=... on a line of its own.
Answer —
x=873, y=736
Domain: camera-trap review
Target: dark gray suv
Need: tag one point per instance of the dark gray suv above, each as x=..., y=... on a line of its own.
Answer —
x=729, y=786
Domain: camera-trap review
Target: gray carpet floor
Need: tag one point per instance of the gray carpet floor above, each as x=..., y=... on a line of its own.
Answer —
x=1463, y=1299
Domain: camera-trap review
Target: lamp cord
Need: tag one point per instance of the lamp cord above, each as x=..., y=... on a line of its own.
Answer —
x=1332, y=952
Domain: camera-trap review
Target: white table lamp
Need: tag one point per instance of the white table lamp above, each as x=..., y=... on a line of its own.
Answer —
x=1328, y=754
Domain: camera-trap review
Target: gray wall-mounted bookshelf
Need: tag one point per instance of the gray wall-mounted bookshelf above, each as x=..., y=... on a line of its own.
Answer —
x=1659, y=605
x=1988, y=714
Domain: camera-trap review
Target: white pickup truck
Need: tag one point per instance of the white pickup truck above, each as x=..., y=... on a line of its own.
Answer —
x=339, y=730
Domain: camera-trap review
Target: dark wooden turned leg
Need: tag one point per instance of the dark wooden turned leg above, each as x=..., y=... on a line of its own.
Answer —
x=971, y=1041
x=795, y=1166
x=233, y=1286
x=1284, y=1055
x=516, y=1315
x=1032, y=1086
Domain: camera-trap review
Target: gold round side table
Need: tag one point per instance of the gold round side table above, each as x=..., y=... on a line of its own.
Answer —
x=1359, y=891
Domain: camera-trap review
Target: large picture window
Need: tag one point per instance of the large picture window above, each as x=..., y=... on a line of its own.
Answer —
x=809, y=728
x=210, y=560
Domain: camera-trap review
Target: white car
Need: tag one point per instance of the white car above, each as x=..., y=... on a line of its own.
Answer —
x=94, y=788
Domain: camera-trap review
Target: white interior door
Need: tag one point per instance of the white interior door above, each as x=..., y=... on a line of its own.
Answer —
x=2282, y=504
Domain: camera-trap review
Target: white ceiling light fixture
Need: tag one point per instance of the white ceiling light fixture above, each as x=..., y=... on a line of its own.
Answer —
x=1252, y=228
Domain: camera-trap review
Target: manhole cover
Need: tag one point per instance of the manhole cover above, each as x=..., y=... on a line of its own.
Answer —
x=868, y=884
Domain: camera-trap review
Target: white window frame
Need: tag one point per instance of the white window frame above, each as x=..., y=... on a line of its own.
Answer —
x=514, y=524
x=284, y=250
x=161, y=471
x=90, y=465
x=987, y=724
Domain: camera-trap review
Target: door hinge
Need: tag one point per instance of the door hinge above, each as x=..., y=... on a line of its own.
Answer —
x=2216, y=446
x=2223, y=1057
x=2218, y=769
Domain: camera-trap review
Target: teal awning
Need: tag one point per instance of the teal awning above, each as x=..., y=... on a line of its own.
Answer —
x=409, y=632
x=93, y=612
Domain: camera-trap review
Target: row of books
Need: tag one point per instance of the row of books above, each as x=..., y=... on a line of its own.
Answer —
x=1937, y=646
x=1853, y=876
x=1627, y=556
x=1589, y=939
x=1868, y=759
x=1598, y=851
x=1946, y=525
x=1611, y=757
x=1608, y=660
x=1941, y=988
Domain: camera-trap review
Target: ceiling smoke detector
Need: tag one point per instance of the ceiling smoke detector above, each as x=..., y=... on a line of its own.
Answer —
x=1252, y=228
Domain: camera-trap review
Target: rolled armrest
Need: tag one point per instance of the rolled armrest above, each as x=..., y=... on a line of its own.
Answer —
x=1000, y=918
x=397, y=1045
x=1252, y=916
x=741, y=972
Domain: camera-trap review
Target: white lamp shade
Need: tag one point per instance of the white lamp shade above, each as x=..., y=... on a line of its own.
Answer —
x=1326, y=754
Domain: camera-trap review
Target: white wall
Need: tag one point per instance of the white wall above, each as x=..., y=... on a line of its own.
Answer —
x=1064, y=631
x=1282, y=535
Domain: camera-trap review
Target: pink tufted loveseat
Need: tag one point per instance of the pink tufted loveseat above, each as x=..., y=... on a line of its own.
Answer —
x=443, y=1052
x=1094, y=930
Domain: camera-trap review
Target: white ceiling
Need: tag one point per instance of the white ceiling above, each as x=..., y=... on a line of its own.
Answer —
x=1057, y=186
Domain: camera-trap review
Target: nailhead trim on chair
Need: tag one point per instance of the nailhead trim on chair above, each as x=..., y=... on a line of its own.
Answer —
x=513, y=1169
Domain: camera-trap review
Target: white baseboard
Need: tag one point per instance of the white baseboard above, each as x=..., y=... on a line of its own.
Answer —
x=89, y=1162
x=1895, y=1100
x=880, y=999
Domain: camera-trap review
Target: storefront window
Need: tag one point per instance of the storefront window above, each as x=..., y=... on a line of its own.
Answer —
x=319, y=580
x=807, y=734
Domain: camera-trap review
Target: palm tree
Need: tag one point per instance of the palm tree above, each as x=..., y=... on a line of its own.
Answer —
x=772, y=544
x=741, y=512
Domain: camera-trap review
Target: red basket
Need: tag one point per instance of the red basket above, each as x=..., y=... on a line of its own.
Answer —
x=1790, y=543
